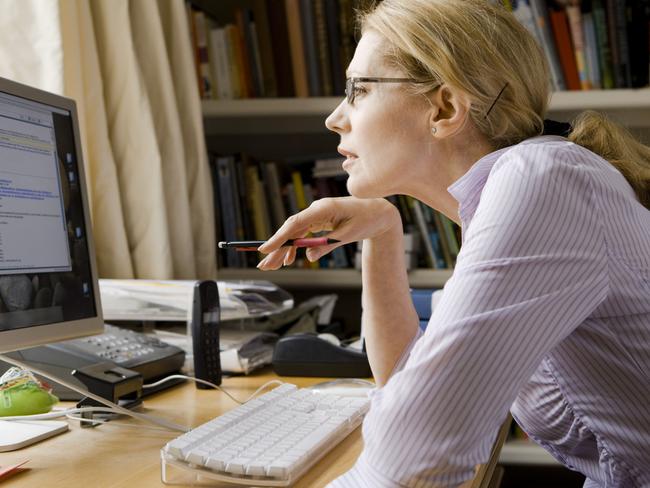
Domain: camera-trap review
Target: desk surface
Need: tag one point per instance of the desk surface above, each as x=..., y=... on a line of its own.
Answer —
x=116, y=456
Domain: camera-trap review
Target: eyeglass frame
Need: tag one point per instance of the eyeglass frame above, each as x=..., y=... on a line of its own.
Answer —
x=351, y=81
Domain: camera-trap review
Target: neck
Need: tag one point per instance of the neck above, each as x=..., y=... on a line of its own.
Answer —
x=453, y=158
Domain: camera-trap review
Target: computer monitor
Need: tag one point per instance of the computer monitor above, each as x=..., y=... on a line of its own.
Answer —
x=48, y=278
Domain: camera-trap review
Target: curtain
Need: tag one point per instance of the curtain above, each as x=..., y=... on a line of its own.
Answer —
x=128, y=64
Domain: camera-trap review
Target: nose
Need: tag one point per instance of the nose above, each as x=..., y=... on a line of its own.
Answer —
x=338, y=121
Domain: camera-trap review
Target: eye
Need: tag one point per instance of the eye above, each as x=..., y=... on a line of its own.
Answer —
x=359, y=90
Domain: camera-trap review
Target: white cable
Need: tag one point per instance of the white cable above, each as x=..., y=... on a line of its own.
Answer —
x=139, y=416
x=112, y=422
x=203, y=382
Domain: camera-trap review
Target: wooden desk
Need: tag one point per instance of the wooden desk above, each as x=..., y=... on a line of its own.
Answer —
x=116, y=456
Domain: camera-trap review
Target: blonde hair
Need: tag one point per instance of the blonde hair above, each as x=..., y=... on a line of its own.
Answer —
x=479, y=48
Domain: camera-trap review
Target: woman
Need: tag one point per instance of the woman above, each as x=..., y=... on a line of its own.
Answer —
x=547, y=313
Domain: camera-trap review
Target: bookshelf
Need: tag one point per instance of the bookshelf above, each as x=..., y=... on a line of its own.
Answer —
x=628, y=106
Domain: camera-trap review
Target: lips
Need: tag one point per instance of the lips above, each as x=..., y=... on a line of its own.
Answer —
x=346, y=153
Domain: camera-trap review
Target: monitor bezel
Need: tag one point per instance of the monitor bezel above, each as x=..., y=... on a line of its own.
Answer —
x=11, y=340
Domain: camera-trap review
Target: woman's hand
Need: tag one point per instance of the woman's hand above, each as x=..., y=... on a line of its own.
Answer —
x=348, y=219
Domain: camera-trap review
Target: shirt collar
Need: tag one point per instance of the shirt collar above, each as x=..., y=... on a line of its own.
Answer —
x=468, y=188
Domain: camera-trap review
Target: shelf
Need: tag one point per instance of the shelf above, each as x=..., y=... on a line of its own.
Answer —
x=283, y=115
x=334, y=278
x=526, y=452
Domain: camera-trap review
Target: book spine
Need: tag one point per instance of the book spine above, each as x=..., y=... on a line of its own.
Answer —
x=322, y=48
x=311, y=52
x=265, y=43
x=612, y=31
x=234, y=60
x=281, y=49
x=540, y=13
x=346, y=29
x=425, y=232
x=244, y=54
x=602, y=44
x=623, y=45
x=591, y=50
x=202, y=47
x=575, y=27
x=297, y=48
x=227, y=208
x=272, y=180
x=565, y=49
x=296, y=179
x=254, y=51
x=638, y=18
x=219, y=64
x=334, y=45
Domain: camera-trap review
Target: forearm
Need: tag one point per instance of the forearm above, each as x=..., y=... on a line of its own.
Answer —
x=389, y=318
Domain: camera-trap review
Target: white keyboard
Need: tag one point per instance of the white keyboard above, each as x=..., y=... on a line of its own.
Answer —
x=269, y=441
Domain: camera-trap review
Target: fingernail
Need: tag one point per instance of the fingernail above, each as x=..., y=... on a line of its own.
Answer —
x=262, y=263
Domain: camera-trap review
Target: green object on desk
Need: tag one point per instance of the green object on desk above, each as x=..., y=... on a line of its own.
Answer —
x=22, y=394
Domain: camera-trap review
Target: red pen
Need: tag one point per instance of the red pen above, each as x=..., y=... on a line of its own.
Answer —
x=253, y=245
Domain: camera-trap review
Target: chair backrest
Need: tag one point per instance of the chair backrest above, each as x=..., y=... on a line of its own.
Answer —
x=486, y=473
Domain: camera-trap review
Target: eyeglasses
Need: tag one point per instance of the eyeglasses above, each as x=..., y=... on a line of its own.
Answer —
x=350, y=84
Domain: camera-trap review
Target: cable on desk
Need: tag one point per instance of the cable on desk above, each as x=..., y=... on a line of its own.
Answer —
x=203, y=382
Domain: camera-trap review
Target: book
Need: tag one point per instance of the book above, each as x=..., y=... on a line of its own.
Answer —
x=308, y=24
x=227, y=207
x=560, y=26
x=282, y=56
x=333, y=35
x=235, y=61
x=298, y=188
x=244, y=56
x=297, y=49
x=257, y=203
x=425, y=233
x=591, y=49
x=220, y=66
x=605, y=60
x=265, y=41
x=253, y=50
x=201, y=36
x=274, y=193
x=575, y=27
x=638, y=19
x=322, y=49
x=540, y=13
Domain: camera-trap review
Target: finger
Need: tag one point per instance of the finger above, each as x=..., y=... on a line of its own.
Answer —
x=313, y=219
x=315, y=253
x=274, y=260
x=291, y=256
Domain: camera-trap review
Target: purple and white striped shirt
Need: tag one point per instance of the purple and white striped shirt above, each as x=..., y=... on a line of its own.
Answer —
x=547, y=314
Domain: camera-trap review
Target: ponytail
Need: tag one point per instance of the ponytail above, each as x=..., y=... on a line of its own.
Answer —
x=614, y=143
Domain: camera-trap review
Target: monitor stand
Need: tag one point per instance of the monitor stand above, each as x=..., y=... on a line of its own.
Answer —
x=19, y=434
x=26, y=439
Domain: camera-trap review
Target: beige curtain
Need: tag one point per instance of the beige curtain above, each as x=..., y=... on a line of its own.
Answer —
x=128, y=63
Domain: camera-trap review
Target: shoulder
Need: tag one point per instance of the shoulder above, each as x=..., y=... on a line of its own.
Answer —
x=550, y=168
x=538, y=156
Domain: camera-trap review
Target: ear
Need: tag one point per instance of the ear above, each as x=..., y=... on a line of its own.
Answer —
x=449, y=111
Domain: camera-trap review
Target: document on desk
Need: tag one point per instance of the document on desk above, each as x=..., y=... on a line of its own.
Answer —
x=243, y=351
x=160, y=300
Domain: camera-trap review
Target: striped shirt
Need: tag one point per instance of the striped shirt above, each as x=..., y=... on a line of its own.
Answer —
x=547, y=314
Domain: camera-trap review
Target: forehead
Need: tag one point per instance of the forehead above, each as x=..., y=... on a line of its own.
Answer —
x=369, y=57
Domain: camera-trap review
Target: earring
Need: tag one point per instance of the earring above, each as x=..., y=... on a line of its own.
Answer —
x=433, y=131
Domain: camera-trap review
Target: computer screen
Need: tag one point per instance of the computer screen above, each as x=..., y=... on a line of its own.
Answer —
x=48, y=283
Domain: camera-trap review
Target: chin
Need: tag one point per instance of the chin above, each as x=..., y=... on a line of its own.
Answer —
x=360, y=190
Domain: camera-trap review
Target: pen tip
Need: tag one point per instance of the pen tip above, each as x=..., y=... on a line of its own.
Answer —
x=221, y=245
